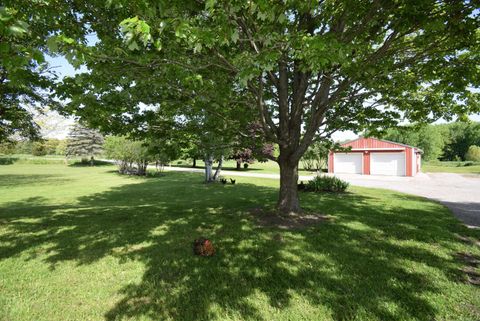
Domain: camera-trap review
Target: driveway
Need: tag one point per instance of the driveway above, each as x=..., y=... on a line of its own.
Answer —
x=460, y=193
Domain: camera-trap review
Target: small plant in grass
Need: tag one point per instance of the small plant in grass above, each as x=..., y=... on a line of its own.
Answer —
x=323, y=183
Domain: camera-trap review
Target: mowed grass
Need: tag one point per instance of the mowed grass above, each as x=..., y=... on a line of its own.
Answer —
x=451, y=167
x=268, y=167
x=81, y=243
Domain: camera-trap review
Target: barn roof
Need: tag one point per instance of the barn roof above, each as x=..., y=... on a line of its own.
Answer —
x=386, y=142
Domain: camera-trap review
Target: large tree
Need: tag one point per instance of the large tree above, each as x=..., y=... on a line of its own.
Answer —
x=310, y=68
x=84, y=142
x=26, y=79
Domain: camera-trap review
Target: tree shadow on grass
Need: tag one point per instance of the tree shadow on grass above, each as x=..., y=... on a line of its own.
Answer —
x=7, y=160
x=358, y=264
x=16, y=180
x=88, y=164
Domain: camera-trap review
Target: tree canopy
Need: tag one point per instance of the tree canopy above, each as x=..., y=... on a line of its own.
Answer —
x=301, y=69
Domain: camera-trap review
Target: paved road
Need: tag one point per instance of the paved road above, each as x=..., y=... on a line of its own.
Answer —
x=460, y=193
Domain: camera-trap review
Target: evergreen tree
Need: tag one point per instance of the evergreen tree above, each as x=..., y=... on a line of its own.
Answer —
x=84, y=142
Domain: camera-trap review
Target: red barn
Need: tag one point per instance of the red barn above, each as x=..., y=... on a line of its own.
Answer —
x=371, y=156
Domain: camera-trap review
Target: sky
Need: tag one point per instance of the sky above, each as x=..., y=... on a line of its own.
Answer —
x=64, y=68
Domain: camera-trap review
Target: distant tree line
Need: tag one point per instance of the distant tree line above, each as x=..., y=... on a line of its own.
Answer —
x=50, y=146
x=457, y=141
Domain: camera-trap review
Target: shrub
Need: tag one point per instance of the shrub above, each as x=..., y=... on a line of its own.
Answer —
x=7, y=160
x=7, y=148
x=315, y=158
x=131, y=156
x=39, y=149
x=324, y=183
x=473, y=154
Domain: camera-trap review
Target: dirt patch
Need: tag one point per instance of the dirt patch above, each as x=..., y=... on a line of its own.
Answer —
x=473, y=277
x=469, y=259
x=293, y=221
x=467, y=240
x=471, y=262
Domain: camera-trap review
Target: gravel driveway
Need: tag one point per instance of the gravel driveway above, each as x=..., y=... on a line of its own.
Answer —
x=460, y=193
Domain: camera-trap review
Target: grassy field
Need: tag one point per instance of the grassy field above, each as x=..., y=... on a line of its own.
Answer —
x=268, y=167
x=35, y=160
x=451, y=167
x=81, y=243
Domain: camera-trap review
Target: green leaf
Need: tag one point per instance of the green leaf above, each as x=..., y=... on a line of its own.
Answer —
x=4, y=47
x=198, y=47
x=209, y=4
x=17, y=30
x=158, y=44
x=52, y=44
x=133, y=45
x=67, y=40
x=38, y=56
x=235, y=36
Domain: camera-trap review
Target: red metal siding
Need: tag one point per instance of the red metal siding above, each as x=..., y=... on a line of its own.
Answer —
x=408, y=155
x=363, y=145
x=330, y=162
x=371, y=143
x=366, y=163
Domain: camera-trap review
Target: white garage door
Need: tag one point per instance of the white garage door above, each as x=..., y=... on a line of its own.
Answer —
x=347, y=163
x=387, y=164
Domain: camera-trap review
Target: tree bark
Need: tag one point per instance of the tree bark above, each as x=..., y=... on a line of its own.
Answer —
x=208, y=168
x=194, y=162
x=239, y=163
x=288, y=201
x=219, y=169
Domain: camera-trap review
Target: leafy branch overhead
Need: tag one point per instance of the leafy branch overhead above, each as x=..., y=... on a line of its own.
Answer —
x=319, y=67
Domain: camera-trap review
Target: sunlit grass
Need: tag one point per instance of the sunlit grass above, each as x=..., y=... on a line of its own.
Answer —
x=451, y=167
x=268, y=167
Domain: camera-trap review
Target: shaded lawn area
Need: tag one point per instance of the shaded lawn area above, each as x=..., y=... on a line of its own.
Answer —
x=86, y=244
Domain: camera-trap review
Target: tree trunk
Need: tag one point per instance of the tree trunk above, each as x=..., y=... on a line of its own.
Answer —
x=208, y=168
x=194, y=162
x=239, y=163
x=219, y=169
x=288, y=201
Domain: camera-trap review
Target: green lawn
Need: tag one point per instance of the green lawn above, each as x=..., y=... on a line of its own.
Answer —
x=268, y=167
x=451, y=167
x=80, y=243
